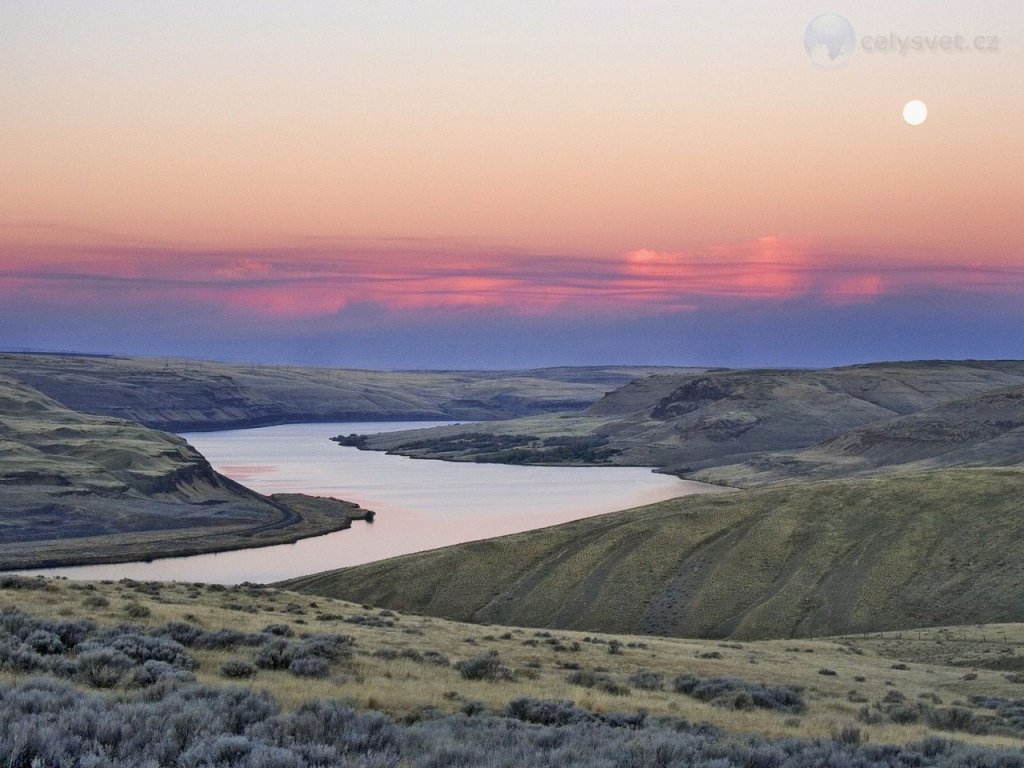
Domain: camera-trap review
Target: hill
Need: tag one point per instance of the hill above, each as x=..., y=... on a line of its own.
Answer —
x=685, y=423
x=984, y=430
x=191, y=395
x=798, y=560
x=76, y=488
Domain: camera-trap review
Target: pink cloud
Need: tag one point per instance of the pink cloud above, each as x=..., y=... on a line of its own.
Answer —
x=320, y=282
x=855, y=290
x=270, y=301
x=768, y=268
x=246, y=268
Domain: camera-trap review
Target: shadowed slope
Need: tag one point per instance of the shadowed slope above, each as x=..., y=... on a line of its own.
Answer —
x=799, y=560
x=77, y=488
x=985, y=430
x=686, y=423
x=184, y=395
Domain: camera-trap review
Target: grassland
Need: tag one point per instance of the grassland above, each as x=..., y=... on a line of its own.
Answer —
x=806, y=559
x=407, y=666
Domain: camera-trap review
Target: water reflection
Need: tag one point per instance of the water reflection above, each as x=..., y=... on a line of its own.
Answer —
x=420, y=504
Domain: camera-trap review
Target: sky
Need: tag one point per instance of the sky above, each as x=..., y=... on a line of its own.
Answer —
x=484, y=185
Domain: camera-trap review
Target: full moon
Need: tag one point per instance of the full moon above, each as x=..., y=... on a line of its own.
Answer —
x=915, y=112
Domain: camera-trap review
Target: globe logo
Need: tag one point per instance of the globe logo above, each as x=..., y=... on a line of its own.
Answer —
x=829, y=40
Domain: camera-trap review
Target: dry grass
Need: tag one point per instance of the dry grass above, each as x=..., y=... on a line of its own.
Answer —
x=809, y=559
x=402, y=687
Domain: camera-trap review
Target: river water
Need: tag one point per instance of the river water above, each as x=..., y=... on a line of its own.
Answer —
x=420, y=504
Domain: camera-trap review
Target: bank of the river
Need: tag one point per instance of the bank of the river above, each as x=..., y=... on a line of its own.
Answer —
x=419, y=504
x=301, y=517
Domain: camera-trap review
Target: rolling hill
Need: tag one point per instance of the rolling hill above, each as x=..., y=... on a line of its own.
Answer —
x=800, y=560
x=985, y=430
x=685, y=423
x=191, y=395
x=76, y=488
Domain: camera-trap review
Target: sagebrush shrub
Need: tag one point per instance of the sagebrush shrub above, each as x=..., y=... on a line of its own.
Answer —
x=141, y=648
x=11, y=581
x=733, y=693
x=486, y=667
x=236, y=668
x=137, y=610
x=648, y=681
x=309, y=666
x=546, y=711
x=281, y=630
x=44, y=642
x=102, y=667
x=274, y=654
x=152, y=672
x=959, y=719
x=226, y=639
x=330, y=647
x=45, y=723
x=600, y=680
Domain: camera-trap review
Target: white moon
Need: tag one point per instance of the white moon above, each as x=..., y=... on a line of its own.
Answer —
x=915, y=112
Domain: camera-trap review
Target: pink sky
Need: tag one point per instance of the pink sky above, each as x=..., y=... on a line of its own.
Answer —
x=321, y=282
x=290, y=161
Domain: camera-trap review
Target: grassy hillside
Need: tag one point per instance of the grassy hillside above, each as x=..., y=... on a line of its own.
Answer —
x=77, y=488
x=800, y=560
x=684, y=423
x=195, y=674
x=184, y=395
x=980, y=430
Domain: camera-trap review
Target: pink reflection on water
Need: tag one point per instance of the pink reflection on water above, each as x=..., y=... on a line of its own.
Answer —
x=420, y=504
x=245, y=473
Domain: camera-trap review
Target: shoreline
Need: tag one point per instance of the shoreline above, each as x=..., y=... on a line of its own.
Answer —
x=258, y=422
x=308, y=517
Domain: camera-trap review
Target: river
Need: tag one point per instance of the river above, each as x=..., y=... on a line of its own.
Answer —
x=420, y=504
